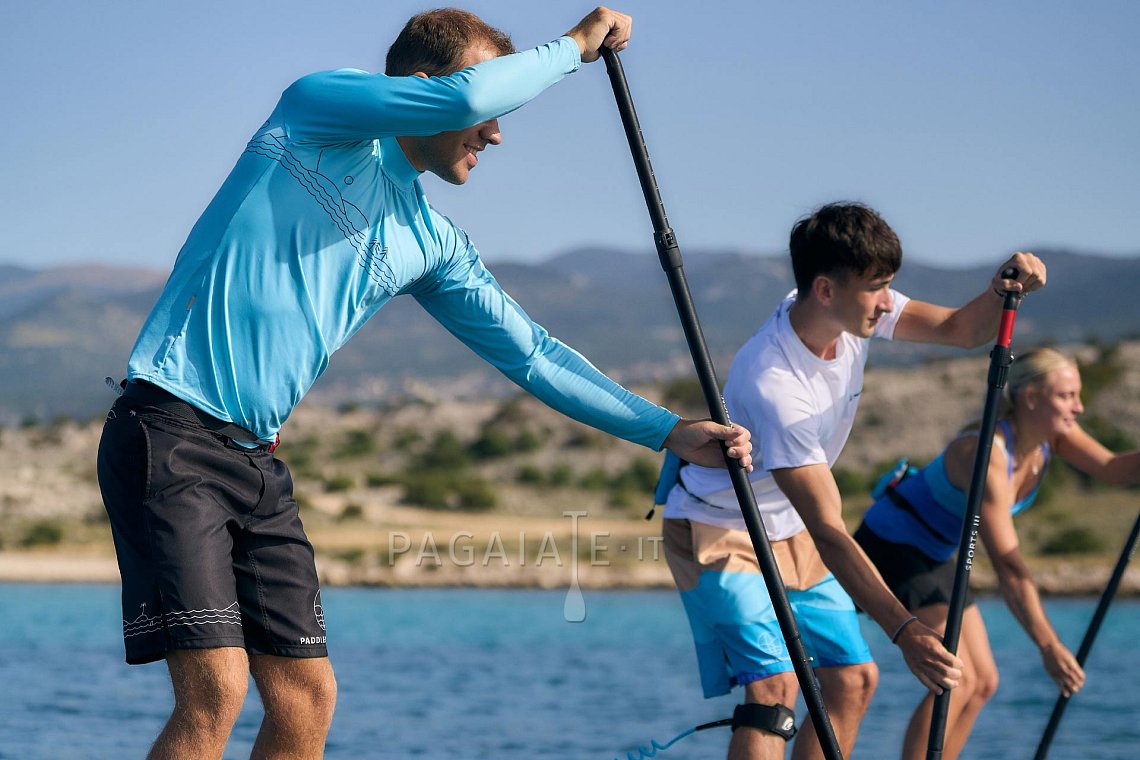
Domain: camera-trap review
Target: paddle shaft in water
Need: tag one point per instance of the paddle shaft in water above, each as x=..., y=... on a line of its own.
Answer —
x=1000, y=360
x=670, y=256
x=1090, y=636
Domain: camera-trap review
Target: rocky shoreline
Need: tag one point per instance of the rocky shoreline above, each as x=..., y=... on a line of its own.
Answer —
x=1054, y=578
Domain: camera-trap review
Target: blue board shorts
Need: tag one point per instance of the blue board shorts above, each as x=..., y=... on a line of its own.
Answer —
x=737, y=636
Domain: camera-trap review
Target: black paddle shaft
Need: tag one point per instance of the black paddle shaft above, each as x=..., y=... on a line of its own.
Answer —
x=1000, y=360
x=670, y=255
x=1090, y=636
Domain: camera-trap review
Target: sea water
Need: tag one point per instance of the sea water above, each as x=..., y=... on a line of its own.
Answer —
x=502, y=674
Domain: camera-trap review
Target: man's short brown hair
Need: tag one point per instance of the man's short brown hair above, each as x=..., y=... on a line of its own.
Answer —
x=842, y=239
x=435, y=42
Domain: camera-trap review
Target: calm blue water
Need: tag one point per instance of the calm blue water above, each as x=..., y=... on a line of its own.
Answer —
x=500, y=674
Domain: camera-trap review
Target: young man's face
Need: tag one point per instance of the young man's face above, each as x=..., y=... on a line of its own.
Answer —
x=859, y=301
x=452, y=155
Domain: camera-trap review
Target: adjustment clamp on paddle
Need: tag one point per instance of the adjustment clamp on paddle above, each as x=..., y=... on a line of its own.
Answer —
x=667, y=249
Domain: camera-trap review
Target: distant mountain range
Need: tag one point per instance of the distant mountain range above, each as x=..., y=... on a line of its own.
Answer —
x=62, y=330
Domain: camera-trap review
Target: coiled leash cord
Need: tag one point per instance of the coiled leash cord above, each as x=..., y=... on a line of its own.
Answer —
x=647, y=752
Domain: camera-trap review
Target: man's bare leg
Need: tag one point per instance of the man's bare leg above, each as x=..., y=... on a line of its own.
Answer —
x=847, y=692
x=209, y=688
x=299, y=695
x=753, y=743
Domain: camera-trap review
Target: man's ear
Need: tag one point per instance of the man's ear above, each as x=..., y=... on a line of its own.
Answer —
x=823, y=289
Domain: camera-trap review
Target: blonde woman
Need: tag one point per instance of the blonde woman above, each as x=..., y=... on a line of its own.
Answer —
x=911, y=533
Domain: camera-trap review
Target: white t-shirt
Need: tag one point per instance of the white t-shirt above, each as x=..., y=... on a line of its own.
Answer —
x=800, y=409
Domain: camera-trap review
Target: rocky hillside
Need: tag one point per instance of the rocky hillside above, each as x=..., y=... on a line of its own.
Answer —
x=483, y=492
x=63, y=330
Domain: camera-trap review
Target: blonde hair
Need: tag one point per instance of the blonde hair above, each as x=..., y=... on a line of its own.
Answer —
x=1030, y=369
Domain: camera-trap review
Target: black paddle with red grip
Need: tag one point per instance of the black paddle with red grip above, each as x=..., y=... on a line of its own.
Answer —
x=1001, y=357
x=670, y=255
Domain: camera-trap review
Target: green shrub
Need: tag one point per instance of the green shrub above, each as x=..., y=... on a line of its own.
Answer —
x=352, y=555
x=1114, y=438
x=406, y=438
x=640, y=476
x=492, y=444
x=625, y=498
x=528, y=441
x=849, y=482
x=446, y=452
x=1076, y=539
x=380, y=479
x=338, y=483
x=560, y=476
x=475, y=495
x=427, y=489
x=684, y=393
x=530, y=475
x=1103, y=372
x=351, y=511
x=589, y=439
x=356, y=443
x=596, y=479
x=43, y=533
x=512, y=412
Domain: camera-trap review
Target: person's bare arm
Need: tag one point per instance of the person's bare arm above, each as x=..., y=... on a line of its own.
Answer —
x=1087, y=454
x=1015, y=580
x=813, y=493
x=975, y=323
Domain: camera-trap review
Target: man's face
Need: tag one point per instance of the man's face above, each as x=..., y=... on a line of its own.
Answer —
x=452, y=155
x=859, y=301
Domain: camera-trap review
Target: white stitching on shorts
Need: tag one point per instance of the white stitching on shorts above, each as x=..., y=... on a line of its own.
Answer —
x=146, y=624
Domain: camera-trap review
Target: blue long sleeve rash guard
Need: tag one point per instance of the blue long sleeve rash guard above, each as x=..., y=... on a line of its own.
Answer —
x=322, y=221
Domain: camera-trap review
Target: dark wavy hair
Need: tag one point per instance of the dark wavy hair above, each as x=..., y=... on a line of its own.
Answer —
x=435, y=42
x=840, y=240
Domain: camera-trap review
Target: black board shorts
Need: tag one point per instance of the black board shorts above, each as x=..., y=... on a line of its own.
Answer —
x=911, y=575
x=208, y=538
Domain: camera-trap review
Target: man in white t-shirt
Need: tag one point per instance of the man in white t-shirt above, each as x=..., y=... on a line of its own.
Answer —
x=796, y=384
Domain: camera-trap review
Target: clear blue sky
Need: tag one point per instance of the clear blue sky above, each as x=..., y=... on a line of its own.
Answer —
x=975, y=127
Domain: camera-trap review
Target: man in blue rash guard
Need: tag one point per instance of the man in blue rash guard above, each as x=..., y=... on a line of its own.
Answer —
x=319, y=224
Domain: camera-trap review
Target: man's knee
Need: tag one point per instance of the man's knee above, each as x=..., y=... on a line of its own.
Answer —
x=298, y=688
x=854, y=682
x=320, y=692
x=781, y=688
x=209, y=684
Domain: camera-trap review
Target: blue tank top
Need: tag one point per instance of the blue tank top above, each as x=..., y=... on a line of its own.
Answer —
x=934, y=523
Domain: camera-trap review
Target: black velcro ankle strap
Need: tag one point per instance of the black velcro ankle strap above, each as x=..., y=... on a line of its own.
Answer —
x=775, y=719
